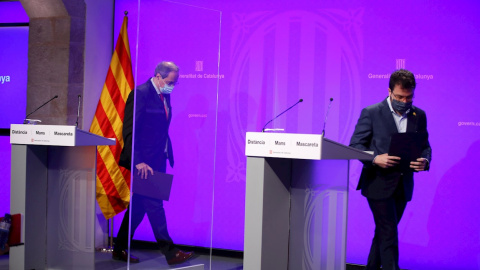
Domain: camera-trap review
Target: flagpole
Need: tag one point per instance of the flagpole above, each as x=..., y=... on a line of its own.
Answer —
x=110, y=221
x=111, y=234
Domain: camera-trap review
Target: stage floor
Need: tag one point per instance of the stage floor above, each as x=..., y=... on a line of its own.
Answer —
x=153, y=259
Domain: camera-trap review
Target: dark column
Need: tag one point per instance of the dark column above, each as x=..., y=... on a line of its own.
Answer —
x=55, y=58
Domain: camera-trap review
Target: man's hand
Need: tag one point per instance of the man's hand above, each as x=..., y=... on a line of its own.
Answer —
x=143, y=170
x=386, y=161
x=419, y=165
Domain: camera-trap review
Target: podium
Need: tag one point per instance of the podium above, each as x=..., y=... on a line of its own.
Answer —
x=53, y=187
x=296, y=201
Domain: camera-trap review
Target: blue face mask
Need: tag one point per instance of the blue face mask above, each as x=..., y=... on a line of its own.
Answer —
x=167, y=89
x=401, y=107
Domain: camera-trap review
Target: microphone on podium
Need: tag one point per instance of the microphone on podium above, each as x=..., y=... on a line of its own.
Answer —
x=25, y=121
x=301, y=100
x=326, y=115
x=78, y=109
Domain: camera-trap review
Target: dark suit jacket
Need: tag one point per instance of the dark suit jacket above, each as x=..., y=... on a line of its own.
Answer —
x=372, y=133
x=151, y=129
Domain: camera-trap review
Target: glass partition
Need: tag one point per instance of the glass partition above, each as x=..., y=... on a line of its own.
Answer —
x=173, y=119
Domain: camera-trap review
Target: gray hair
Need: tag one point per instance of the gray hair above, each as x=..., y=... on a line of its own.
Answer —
x=165, y=67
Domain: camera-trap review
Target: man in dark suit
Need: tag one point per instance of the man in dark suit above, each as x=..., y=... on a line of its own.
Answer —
x=152, y=148
x=386, y=186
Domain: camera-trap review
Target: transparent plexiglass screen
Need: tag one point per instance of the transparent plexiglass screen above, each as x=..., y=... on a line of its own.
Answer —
x=173, y=134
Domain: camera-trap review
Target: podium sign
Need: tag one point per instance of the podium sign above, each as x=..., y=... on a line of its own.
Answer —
x=283, y=145
x=299, y=146
x=54, y=135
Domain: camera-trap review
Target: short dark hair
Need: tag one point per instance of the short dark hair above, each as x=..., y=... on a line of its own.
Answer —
x=164, y=68
x=404, y=78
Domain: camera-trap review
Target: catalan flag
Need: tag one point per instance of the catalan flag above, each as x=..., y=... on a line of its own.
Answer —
x=113, y=181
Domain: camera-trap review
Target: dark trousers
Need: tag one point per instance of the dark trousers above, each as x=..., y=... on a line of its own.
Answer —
x=387, y=214
x=141, y=205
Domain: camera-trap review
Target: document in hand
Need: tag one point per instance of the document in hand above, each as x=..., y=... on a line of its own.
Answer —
x=156, y=186
x=408, y=146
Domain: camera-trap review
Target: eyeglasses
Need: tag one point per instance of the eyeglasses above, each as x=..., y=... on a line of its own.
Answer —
x=400, y=97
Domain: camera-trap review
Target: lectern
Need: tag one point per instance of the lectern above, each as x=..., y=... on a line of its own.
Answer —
x=296, y=201
x=53, y=187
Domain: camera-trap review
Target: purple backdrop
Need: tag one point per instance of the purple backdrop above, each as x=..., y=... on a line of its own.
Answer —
x=13, y=12
x=13, y=74
x=13, y=85
x=273, y=54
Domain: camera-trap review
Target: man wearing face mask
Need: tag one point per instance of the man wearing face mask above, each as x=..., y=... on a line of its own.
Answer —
x=387, y=187
x=152, y=149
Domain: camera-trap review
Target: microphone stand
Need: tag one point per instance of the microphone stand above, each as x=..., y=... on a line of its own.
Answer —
x=263, y=129
x=326, y=116
x=78, y=110
x=25, y=120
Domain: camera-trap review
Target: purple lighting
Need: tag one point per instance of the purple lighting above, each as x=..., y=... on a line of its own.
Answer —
x=12, y=12
x=274, y=55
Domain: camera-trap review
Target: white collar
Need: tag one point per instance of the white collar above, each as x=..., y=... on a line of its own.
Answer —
x=156, y=88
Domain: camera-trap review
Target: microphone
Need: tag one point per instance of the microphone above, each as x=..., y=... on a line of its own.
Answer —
x=25, y=120
x=326, y=115
x=78, y=109
x=263, y=129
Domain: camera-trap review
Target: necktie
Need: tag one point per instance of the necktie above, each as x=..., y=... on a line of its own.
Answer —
x=164, y=104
